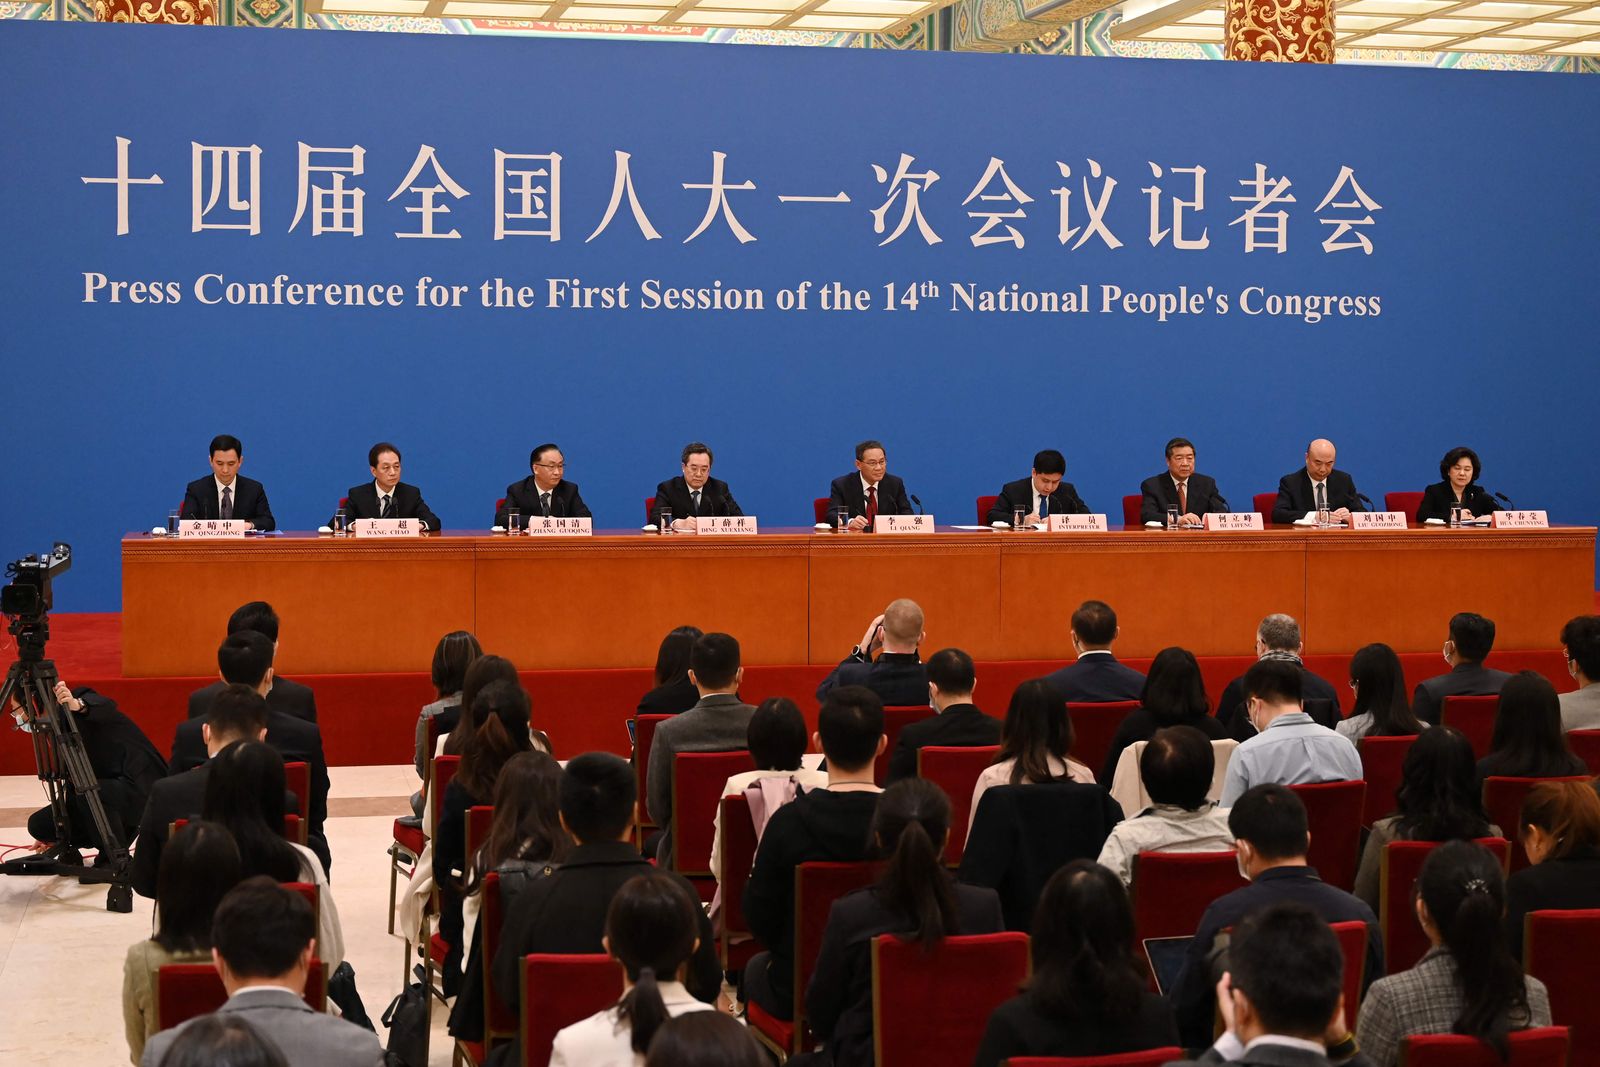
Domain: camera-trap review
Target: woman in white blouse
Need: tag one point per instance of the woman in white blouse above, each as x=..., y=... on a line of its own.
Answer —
x=1035, y=744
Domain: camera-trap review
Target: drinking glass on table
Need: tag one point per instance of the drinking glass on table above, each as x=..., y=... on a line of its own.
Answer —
x=513, y=520
x=1172, y=518
x=1324, y=515
x=1019, y=517
x=664, y=519
x=341, y=521
x=172, y=522
x=841, y=519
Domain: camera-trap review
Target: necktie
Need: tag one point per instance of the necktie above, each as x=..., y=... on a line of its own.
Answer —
x=227, y=502
x=544, y=503
x=1044, y=506
x=1183, y=498
x=872, y=505
x=696, y=496
x=388, y=507
x=1322, y=495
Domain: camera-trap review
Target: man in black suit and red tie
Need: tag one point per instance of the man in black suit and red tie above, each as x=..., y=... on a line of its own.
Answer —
x=871, y=491
x=1302, y=493
x=1193, y=495
x=386, y=496
x=225, y=494
x=695, y=492
x=1043, y=492
x=545, y=492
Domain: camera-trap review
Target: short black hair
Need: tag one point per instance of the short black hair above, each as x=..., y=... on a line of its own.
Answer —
x=1286, y=959
x=1456, y=455
x=1473, y=635
x=222, y=1038
x=1095, y=623
x=864, y=446
x=256, y=615
x=1177, y=443
x=379, y=449
x=1581, y=636
x=225, y=442
x=1273, y=820
x=697, y=446
x=714, y=658
x=598, y=792
x=850, y=723
x=238, y=713
x=539, y=450
x=261, y=928
x=244, y=658
x=1049, y=461
x=1275, y=681
x=952, y=671
x=1177, y=765
x=777, y=735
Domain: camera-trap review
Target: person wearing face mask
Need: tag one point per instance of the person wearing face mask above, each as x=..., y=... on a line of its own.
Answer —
x=1580, y=643
x=1288, y=748
x=1471, y=638
x=1270, y=842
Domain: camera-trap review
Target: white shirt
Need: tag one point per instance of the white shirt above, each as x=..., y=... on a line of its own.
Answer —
x=382, y=492
x=602, y=1041
x=1184, y=483
x=232, y=487
x=1164, y=828
x=867, y=487
x=1315, y=485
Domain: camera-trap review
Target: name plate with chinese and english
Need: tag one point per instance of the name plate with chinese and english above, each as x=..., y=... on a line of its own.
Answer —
x=1235, y=520
x=725, y=524
x=386, y=527
x=897, y=524
x=1377, y=520
x=209, y=529
x=559, y=526
x=1519, y=520
x=1075, y=524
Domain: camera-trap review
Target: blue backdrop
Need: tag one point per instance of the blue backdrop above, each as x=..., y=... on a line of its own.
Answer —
x=1482, y=192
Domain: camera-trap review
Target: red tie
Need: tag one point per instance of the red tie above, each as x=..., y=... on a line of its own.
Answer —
x=1183, y=498
x=872, y=505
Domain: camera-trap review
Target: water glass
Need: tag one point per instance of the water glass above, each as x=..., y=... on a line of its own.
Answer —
x=1324, y=516
x=1172, y=518
x=664, y=519
x=1455, y=514
x=172, y=522
x=1019, y=517
x=341, y=522
x=513, y=520
x=841, y=519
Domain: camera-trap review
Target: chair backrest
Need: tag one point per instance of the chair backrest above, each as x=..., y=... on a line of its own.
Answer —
x=1473, y=716
x=1559, y=948
x=1150, y=1057
x=1545, y=1047
x=816, y=887
x=1131, y=506
x=187, y=990
x=955, y=770
x=1093, y=727
x=344, y=502
x=697, y=781
x=984, y=504
x=895, y=719
x=444, y=769
x=1171, y=890
x=738, y=854
x=499, y=503
x=932, y=1007
x=297, y=779
x=312, y=896
x=644, y=735
x=1264, y=502
x=1502, y=799
x=1406, y=502
x=819, y=508
x=1333, y=813
x=1352, y=937
x=558, y=991
x=1585, y=744
x=649, y=510
x=1381, y=759
x=499, y=1022
x=1404, y=943
x=295, y=828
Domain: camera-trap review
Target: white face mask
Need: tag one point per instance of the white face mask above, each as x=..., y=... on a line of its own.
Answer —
x=1238, y=859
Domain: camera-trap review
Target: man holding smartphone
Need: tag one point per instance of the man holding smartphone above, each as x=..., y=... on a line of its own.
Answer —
x=897, y=675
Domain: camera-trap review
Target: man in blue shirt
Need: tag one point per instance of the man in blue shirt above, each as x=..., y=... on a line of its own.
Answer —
x=1289, y=748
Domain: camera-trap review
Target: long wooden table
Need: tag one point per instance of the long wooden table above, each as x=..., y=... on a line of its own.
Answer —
x=797, y=596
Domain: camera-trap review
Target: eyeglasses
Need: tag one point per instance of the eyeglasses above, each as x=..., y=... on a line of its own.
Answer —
x=552, y=466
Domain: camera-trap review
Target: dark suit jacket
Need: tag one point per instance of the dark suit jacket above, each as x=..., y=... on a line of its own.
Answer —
x=1160, y=494
x=1096, y=678
x=408, y=504
x=181, y=796
x=1273, y=1056
x=124, y=762
x=1019, y=494
x=846, y=492
x=1437, y=498
x=1564, y=885
x=715, y=499
x=669, y=699
x=1465, y=680
x=899, y=678
x=285, y=697
x=1321, y=700
x=524, y=495
x=1022, y=1027
x=1296, y=497
x=202, y=501
x=959, y=725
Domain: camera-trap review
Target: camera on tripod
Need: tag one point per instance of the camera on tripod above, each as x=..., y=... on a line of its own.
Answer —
x=26, y=597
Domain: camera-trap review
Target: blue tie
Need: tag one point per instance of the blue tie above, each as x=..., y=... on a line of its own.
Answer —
x=1044, y=506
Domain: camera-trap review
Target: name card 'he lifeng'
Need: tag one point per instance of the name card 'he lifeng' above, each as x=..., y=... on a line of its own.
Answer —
x=1520, y=520
x=1075, y=524
x=1377, y=520
x=725, y=524
x=559, y=526
x=208, y=529
x=386, y=528
x=1234, y=520
x=895, y=524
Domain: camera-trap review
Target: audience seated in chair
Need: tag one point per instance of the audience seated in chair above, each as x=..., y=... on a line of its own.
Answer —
x=1288, y=748
x=1174, y=694
x=956, y=721
x=481, y=673
x=1381, y=708
x=1176, y=766
x=222, y=1039
x=705, y=1039
x=1468, y=983
x=1580, y=642
x=1560, y=831
x=1278, y=638
x=1035, y=744
x=897, y=675
x=1528, y=741
x=285, y=697
x=1096, y=677
x=1470, y=641
x=673, y=691
x=455, y=652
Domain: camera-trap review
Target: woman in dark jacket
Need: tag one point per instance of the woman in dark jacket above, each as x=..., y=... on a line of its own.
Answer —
x=1459, y=469
x=1174, y=694
x=1560, y=831
x=673, y=692
x=1528, y=741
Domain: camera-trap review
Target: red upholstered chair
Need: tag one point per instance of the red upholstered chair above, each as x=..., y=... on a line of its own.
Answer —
x=1130, y=517
x=1559, y=948
x=697, y=781
x=1352, y=937
x=408, y=840
x=1152, y=1057
x=1171, y=890
x=1502, y=799
x=1545, y=1047
x=295, y=828
x=735, y=945
x=649, y=510
x=1406, y=502
x=932, y=1007
x=1333, y=811
x=644, y=733
x=558, y=991
x=896, y=719
x=297, y=779
x=1381, y=759
x=819, y=508
x=1585, y=744
x=187, y=990
x=1093, y=727
x=955, y=770
x=499, y=1024
x=444, y=769
x=1473, y=716
x=1404, y=943
x=1263, y=503
x=984, y=504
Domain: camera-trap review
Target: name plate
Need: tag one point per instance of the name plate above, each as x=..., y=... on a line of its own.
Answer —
x=1076, y=524
x=1236, y=520
x=386, y=527
x=209, y=529
x=1519, y=520
x=559, y=526
x=1377, y=520
x=725, y=524
x=898, y=524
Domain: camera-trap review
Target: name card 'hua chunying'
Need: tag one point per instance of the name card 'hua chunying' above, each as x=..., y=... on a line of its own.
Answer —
x=209, y=529
x=897, y=524
x=1377, y=520
x=1520, y=520
x=1076, y=524
x=559, y=526
x=386, y=528
x=1234, y=520
x=725, y=524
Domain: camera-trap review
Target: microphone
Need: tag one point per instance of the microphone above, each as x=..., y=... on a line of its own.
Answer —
x=1223, y=501
x=918, y=503
x=1505, y=500
x=1367, y=500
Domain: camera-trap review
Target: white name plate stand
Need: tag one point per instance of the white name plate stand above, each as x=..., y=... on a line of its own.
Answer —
x=1377, y=520
x=210, y=529
x=386, y=528
x=559, y=526
x=1519, y=520
x=903, y=524
x=1236, y=520
x=1076, y=524
x=709, y=526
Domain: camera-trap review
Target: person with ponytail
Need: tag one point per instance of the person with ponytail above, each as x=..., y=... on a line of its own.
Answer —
x=1468, y=982
x=1560, y=831
x=652, y=930
x=1035, y=744
x=915, y=898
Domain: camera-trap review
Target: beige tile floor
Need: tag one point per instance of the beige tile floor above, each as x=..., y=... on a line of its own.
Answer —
x=61, y=951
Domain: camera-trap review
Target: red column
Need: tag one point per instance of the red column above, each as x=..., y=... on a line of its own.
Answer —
x=174, y=12
x=1283, y=31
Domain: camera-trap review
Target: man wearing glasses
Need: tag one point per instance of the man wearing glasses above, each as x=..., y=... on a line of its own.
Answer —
x=545, y=492
x=869, y=492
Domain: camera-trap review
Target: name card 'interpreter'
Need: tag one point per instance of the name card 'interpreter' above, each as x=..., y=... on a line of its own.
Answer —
x=1377, y=520
x=559, y=526
x=1234, y=520
x=386, y=528
x=1076, y=524
x=209, y=529
x=1520, y=520
x=725, y=524
x=896, y=524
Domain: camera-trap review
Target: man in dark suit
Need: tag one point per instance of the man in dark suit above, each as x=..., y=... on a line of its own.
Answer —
x=869, y=492
x=694, y=493
x=285, y=697
x=958, y=722
x=897, y=675
x=225, y=494
x=1193, y=495
x=245, y=658
x=545, y=492
x=1300, y=493
x=1043, y=493
x=1097, y=677
x=1278, y=637
x=1470, y=642
x=386, y=496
